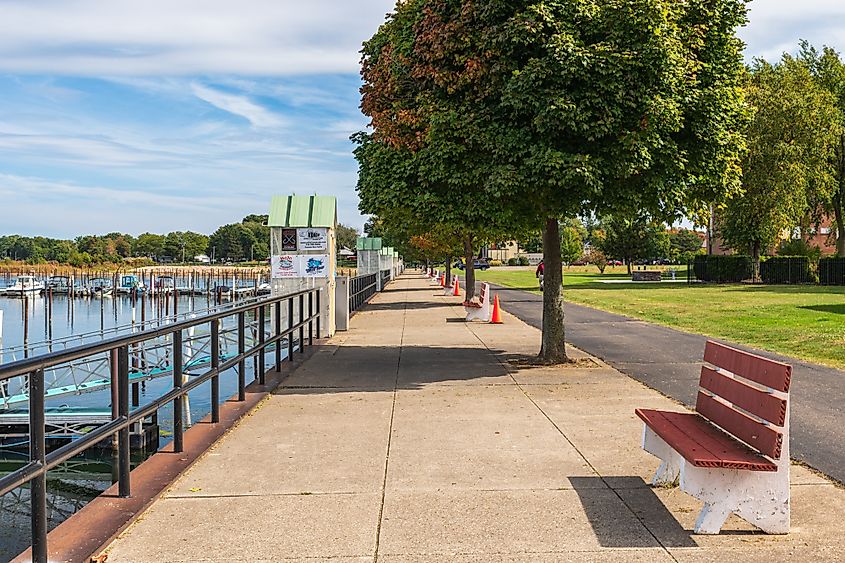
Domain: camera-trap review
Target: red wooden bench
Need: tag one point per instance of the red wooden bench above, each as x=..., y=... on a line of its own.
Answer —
x=481, y=309
x=733, y=453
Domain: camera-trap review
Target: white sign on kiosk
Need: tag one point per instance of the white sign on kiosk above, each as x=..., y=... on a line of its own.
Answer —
x=284, y=266
x=312, y=238
x=299, y=266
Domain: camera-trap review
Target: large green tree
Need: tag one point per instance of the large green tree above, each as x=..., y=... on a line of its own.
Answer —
x=634, y=237
x=546, y=110
x=788, y=165
x=828, y=70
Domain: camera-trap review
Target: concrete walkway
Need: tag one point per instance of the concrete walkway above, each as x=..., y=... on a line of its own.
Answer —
x=669, y=360
x=415, y=438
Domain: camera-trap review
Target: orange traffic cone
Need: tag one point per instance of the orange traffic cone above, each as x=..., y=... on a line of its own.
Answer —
x=496, y=317
x=457, y=291
x=442, y=280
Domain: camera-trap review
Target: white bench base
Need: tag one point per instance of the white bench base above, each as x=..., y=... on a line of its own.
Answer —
x=761, y=498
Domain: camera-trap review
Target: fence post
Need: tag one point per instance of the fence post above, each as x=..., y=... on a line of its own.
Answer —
x=123, y=461
x=177, y=383
x=38, y=454
x=241, y=361
x=215, y=363
x=278, y=326
x=290, y=329
x=320, y=315
x=310, y=322
x=301, y=325
x=261, y=343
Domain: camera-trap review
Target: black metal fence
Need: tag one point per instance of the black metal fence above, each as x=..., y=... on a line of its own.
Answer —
x=361, y=289
x=773, y=270
x=385, y=277
x=118, y=349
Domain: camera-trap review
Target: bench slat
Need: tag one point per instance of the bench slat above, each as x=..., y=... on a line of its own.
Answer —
x=765, y=439
x=701, y=443
x=758, y=403
x=767, y=372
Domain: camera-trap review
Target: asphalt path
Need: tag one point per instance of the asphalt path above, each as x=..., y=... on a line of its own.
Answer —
x=669, y=361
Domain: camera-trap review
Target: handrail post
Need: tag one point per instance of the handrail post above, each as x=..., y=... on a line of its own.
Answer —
x=301, y=323
x=123, y=459
x=278, y=306
x=38, y=454
x=310, y=322
x=215, y=364
x=261, y=343
x=241, y=361
x=319, y=314
x=178, y=444
x=290, y=329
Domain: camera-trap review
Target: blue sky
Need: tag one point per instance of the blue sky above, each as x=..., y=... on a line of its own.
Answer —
x=161, y=116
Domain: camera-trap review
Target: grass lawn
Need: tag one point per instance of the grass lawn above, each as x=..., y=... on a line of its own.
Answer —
x=806, y=322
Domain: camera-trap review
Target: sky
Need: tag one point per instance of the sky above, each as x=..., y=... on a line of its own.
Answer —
x=159, y=116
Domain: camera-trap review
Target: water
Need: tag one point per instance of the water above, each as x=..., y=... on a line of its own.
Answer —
x=76, y=482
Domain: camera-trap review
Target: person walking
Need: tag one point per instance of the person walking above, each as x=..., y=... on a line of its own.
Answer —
x=538, y=273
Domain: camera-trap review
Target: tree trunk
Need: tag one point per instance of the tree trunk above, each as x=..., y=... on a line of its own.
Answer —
x=755, y=261
x=448, y=271
x=469, y=260
x=628, y=261
x=553, y=349
x=840, y=227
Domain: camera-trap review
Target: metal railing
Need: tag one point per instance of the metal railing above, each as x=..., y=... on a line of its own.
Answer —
x=385, y=277
x=40, y=462
x=361, y=289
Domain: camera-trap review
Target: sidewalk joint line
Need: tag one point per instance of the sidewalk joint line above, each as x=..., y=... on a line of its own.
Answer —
x=390, y=432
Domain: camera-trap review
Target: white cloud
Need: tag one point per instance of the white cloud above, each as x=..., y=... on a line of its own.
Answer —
x=163, y=37
x=238, y=105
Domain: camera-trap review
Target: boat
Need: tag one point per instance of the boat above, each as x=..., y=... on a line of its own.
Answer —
x=25, y=286
x=59, y=285
x=165, y=284
x=129, y=285
x=101, y=287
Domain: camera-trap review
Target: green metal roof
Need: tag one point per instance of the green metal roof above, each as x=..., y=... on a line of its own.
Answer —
x=367, y=243
x=303, y=211
x=387, y=251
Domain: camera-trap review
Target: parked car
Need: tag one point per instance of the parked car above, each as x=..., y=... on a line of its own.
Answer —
x=478, y=264
x=615, y=263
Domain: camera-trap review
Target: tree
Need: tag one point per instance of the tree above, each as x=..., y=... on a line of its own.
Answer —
x=555, y=109
x=828, y=70
x=149, y=245
x=788, y=164
x=346, y=237
x=232, y=242
x=684, y=244
x=631, y=238
x=572, y=236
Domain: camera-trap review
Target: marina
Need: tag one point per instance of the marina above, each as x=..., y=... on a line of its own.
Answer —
x=61, y=312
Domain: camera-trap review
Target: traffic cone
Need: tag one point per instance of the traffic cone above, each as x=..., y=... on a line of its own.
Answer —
x=457, y=290
x=496, y=317
x=442, y=280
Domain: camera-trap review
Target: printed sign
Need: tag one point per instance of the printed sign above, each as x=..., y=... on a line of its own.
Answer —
x=284, y=266
x=312, y=238
x=314, y=266
x=289, y=240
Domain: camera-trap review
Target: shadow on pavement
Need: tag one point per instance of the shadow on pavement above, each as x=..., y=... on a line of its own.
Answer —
x=647, y=507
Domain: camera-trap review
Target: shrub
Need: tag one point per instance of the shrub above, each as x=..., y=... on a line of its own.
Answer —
x=722, y=269
x=512, y=261
x=786, y=269
x=800, y=247
x=494, y=263
x=832, y=271
x=522, y=260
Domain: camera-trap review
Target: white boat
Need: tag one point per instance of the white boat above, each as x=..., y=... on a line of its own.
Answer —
x=101, y=287
x=25, y=285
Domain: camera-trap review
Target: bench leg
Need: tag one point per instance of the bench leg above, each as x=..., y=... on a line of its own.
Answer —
x=670, y=466
x=711, y=518
x=759, y=498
